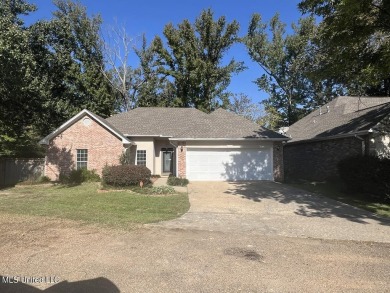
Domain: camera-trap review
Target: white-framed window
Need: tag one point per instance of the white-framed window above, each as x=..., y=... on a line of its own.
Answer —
x=141, y=157
x=82, y=159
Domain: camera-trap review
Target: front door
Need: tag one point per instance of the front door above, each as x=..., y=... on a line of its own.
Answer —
x=167, y=161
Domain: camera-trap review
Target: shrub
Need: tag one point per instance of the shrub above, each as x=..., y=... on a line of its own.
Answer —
x=125, y=175
x=33, y=180
x=89, y=175
x=367, y=174
x=79, y=176
x=175, y=181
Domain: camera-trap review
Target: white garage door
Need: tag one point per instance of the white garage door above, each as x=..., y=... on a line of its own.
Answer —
x=229, y=164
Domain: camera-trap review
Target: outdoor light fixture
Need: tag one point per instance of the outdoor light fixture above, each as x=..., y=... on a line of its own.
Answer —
x=181, y=148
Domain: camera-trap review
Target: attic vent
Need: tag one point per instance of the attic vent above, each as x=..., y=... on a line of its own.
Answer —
x=87, y=121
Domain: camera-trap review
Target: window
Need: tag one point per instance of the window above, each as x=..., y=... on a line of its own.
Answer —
x=82, y=159
x=141, y=157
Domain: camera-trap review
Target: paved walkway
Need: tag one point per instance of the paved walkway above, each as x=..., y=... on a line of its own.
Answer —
x=269, y=208
x=162, y=181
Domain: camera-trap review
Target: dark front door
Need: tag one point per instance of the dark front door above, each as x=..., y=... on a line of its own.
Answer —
x=167, y=165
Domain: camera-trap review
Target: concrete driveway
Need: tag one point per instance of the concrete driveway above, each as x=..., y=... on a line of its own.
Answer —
x=270, y=208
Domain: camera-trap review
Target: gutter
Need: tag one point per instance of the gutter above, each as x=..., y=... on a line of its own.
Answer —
x=226, y=139
x=148, y=135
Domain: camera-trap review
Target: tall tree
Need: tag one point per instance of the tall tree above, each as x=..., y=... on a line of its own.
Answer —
x=73, y=62
x=242, y=105
x=118, y=46
x=355, y=38
x=134, y=86
x=154, y=88
x=287, y=61
x=19, y=85
x=193, y=60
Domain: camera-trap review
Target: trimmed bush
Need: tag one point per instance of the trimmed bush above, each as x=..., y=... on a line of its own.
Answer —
x=368, y=175
x=175, y=181
x=79, y=176
x=126, y=175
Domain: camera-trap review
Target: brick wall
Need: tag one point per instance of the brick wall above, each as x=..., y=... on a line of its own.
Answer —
x=103, y=148
x=318, y=160
x=278, y=162
x=181, y=159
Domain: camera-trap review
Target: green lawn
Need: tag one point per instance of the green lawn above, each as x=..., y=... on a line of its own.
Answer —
x=85, y=203
x=333, y=190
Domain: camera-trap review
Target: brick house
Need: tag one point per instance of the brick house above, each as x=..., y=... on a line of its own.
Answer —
x=184, y=142
x=344, y=127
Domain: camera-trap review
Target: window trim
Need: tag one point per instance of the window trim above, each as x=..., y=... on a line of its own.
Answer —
x=79, y=157
x=143, y=160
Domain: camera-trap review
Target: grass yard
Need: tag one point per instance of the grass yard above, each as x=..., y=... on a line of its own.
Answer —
x=84, y=203
x=333, y=191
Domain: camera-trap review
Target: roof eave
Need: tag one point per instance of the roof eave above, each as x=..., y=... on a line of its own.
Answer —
x=224, y=139
x=148, y=135
x=362, y=132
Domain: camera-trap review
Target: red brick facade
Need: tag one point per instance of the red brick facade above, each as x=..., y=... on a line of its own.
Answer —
x=181, y=159
x=103, y=148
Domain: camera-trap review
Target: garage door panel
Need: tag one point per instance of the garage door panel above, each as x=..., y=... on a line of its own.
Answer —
x=229, y=164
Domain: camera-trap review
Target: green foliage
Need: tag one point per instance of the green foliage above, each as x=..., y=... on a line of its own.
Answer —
x=19, y=85
x=24, y=145
x=162, y=190
x=288, y=61
x=140, y=86
x=368, y=175
x=49, y=71
x=175, y=181
x=72, y=61
x=271, y=119
x=44, y=179
x=354, y=40
x=126, y=175
x=242, y=105
x=124, y=158
x=193, y=61
x=79, y=176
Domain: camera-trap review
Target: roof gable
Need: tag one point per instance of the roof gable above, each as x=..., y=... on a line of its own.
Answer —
x=341, y=117
x=78, y=117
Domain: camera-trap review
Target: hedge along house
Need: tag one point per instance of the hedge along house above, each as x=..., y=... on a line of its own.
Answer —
x=184, y=142
x=345, y=127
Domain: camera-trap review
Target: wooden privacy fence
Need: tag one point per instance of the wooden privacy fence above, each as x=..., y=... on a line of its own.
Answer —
x=14, y=170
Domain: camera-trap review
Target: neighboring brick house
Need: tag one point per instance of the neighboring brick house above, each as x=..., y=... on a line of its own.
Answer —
x=181, y=141
x=346, y=126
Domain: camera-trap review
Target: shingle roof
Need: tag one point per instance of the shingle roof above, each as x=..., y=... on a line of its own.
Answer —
x=342, y=116
x=188, y=123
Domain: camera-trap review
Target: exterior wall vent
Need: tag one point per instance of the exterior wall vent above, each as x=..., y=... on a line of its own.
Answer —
x=87, y=121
